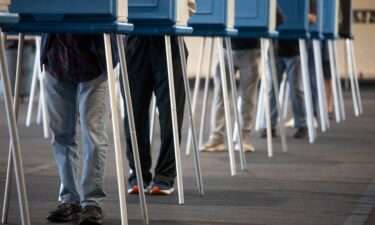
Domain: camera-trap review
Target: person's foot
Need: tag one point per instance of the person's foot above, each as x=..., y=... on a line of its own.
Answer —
x=300, y=133
x=213, y=145
x=65, y=212
x=247, y=147
x=263, y=133
x=91, y=215
x=289, y=123
x=133, y=188
x=160, y=188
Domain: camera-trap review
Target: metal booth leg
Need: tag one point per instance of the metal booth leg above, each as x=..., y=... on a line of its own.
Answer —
x=324, y=120
x=265, y=100
x=191, y=117
x=133, y=134
x=116, y=130
x=205, y=93
x=232, y=81
x=33, y=86
x=272, y=71
x=17, y=158
x=260, y=109
x=8, y=182
x=352, y=54
x=196, y=89
x=307, y=91
x=334, y=83
x=341, y=97
x=351, y=76
x=232, y=159
x=174, y=120
x=152, y=120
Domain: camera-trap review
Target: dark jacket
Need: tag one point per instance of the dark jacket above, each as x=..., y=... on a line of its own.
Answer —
x=97, y=47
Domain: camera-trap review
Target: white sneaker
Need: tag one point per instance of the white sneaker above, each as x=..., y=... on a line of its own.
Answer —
x=213, y=145
x=316, y=125
x=247, y=147
x=289, y=123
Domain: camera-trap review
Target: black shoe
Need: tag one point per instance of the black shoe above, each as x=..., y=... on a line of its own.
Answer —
x=263, y=133
x=301, y=133
x=65, y=212
x=91, y=215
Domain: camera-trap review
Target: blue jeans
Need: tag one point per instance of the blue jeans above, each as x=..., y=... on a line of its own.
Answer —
x=65, y=102
x=292, y=67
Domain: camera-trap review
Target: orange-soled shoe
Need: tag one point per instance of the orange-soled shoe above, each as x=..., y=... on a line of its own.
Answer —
x=160, y=188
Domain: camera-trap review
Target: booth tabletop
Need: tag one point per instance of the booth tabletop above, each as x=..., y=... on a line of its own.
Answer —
x=8, y=18
x=65, y=27
x=161, y=30
x=215, y=32
x=257, y=34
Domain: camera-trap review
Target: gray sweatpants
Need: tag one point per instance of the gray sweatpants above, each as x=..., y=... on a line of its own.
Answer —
x=246, y=63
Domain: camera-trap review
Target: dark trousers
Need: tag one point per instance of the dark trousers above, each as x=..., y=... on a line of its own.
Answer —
x=147, y=68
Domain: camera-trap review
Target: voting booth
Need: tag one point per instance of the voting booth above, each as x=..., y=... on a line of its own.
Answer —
x=317, y=28
x=159, y=17
x=296, y=27
x=70, y=10
x=213, y=15
x=331, y=18
x=255, y=18
x=296, y=23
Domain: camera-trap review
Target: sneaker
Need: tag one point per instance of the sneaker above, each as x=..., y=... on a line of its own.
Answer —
x=65, y=212
x=247, y=147
x=91, y=215
x=213, y=145
x=300, y=133
x=289, y=123
x=133, y=188
x=160, y=188
x=263, y=133
x=316, y=125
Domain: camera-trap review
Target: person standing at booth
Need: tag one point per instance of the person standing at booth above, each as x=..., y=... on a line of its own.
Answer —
x=288, y=60
x=246, y=56
x=76, y=87
x=148, y=74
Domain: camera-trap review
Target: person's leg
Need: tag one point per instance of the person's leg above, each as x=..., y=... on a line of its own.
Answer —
x=165, y=170
x=217, y=123
x=247, y=62
x=63, y=112
x=94, y=114
x=296, y=91
x=141, y=84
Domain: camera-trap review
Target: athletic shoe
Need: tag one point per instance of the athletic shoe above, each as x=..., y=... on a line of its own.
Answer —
x=91, y=215
x=160, y=188
x=213, y=145
x=65, y=212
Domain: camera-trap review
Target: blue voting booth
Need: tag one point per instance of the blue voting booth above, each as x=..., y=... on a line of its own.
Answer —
x=85, y=17
x=256, y=18
x=213, y=17
x=316, y=28
x=296, y=22
x=69, y=10
x=330, y=18
x=159, y=17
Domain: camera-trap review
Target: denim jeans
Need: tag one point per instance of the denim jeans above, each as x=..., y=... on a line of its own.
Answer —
x=246, y=63
x=292, y=67
x=90, y=101
x=148, y=74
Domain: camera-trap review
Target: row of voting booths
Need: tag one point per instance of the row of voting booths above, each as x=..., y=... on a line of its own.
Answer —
x=216, y=19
